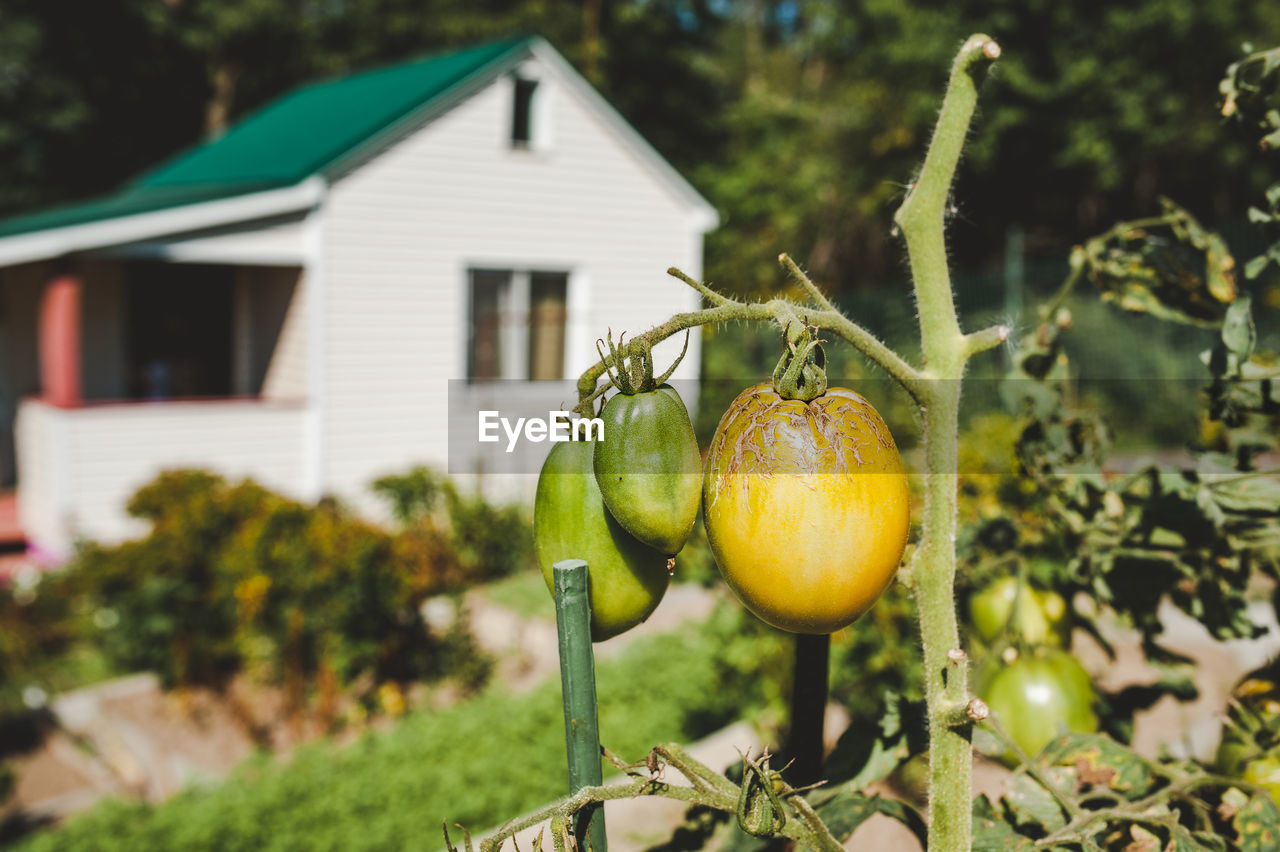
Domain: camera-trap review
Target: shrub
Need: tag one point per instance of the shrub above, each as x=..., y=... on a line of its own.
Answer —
x=235, y=578
x=479, y=541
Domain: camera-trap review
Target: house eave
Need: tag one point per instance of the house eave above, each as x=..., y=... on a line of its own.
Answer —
x=156, y=224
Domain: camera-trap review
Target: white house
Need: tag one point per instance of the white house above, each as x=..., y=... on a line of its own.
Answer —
x=295, y=300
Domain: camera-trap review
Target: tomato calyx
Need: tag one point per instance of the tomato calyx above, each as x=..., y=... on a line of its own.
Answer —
x=630, y=367
x=759, y=810
x=801, y=372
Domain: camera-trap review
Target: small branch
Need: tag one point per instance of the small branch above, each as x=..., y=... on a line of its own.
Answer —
x=1134, y=811
x=587, y=390
x=707, y=293
x=713, y=791
x=595, y=795
x=780, y=311
x=989, y=338
x=912, y=380
x=797, y=273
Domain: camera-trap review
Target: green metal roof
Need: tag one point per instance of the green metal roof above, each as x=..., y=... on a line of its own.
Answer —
x=287, y=141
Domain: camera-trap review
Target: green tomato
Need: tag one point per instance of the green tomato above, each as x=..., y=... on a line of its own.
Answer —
x=1265, y=772
x=1041, y=616
x=1250, y=747
x=627, y=577
x=648, y=467
x=1035, y=697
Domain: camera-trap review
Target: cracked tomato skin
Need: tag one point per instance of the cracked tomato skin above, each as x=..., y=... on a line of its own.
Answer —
x=805, y=507
x=627, y=577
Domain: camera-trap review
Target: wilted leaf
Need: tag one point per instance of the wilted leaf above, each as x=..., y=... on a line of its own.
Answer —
x=1184, y=274
x=1257, y=825
x=1029, y=804
x=1182, y=840
x=848, y=809
x=1238, y=332
x=1256, y=495
x=1254, y=266
x=1098, y=757
x=993, y=834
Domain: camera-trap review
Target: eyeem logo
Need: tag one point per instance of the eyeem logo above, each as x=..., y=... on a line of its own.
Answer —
x=558, y=427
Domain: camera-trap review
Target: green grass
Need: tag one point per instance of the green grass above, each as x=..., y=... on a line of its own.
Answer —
x=477, y=764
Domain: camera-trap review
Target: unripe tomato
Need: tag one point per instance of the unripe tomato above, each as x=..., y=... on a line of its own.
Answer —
x=805, y=506
x=1265, y=772
x=1036, y=696
x=627, y=577
x=1041, y=617
x=1250, y=747
x=648, y=467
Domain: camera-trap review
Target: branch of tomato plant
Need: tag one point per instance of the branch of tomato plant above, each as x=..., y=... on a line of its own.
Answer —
x=709, y=789
x=781, y=311
x=1137, y=811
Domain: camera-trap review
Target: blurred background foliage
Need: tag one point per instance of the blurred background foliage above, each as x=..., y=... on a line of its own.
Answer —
x=233, y=579
x=800, y=119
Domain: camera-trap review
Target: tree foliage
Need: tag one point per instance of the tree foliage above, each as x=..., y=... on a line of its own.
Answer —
x=800, y=119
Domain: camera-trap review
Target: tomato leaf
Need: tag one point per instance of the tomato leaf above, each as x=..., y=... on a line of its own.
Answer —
x=1257, y=824
x=1099, y=761
x=846, y=811
x=993, y=834
x=1028, y=804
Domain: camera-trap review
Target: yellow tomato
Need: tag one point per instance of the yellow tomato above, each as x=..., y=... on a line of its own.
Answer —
x=806, y=507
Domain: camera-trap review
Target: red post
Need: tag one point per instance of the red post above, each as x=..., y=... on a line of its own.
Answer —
x=60, y=342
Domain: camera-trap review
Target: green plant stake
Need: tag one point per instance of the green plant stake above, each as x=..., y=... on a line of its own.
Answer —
x=808, y=708
x=578, y=686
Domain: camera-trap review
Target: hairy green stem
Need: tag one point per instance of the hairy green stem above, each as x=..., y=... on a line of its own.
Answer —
x=922, y=216
x=922, y=219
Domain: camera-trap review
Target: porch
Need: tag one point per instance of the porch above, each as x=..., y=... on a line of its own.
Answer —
x=116, y=367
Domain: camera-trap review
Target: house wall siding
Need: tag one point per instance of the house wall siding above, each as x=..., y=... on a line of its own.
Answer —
x=276, y=348
x=81, y=466
x=402, y=230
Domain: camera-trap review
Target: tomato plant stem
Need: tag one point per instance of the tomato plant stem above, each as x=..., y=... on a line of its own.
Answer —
x=945, y=673
x=922, y=219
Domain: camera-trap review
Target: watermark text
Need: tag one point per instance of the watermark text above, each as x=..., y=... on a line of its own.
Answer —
x=558, y=426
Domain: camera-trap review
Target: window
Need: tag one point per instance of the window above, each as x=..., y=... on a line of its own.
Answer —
x=522, y=112
x=517, y=325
